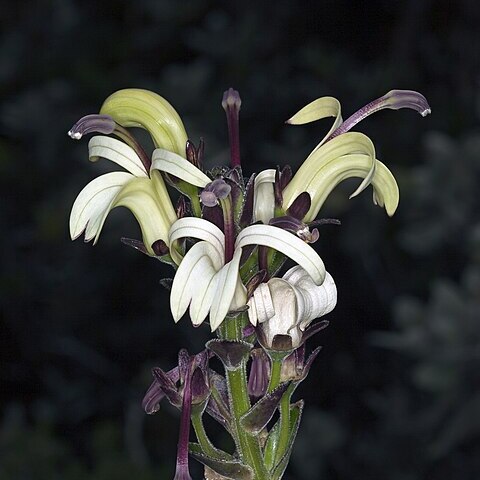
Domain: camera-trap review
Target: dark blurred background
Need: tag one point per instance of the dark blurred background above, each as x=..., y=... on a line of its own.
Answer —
x=395, y=393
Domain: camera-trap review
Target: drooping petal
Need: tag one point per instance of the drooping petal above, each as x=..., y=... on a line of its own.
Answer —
x=192, y=280
x=174, y=164
x=327, y=161
x=320, y=108
x=196, y=228
x=133, y=107
x=324, y=180
x=118, y=152
x=226, y=285
x=313, y=301
x=93, y=203
x=264, y=196
x=286, y=243
x=141, y=198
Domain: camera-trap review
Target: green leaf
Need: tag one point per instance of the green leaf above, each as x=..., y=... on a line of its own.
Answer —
x=295, y=417
x=231, y=469
x=196, y=448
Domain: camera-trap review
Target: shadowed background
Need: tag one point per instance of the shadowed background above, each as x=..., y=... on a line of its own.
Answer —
x=395, y=394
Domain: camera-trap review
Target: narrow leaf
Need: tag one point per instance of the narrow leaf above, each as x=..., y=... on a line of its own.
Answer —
x=295, y=417
x=232, y=470
x=257, y=418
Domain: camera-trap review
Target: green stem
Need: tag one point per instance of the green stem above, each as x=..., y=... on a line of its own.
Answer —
x=284, y=436
x=275, y=374
x=196, y=207
x=249, y=445
x=202, y=437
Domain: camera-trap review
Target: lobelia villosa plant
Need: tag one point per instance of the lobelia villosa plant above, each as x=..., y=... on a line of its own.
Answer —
x=227, y=239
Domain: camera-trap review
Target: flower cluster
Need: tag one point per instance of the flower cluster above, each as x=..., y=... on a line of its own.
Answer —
x=227, y=238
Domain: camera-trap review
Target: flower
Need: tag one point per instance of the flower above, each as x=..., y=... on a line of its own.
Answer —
x=141, y=189
x=284, y=307
x=210, y=285
x=343, y=154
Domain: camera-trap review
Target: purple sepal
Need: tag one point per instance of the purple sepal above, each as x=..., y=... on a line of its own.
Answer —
x=231, y=353
x=300, y=206
x=214, y=215
x=92, y=124
x=136, y=244
x=168, y=387
x=160, y=248
x=314, y=329
x=294, y=367
x=297, y=227
x=282, y=179
x=155, y=393
x=259, y=373
x=217, y=406
x=256, y=419
x=248, y=331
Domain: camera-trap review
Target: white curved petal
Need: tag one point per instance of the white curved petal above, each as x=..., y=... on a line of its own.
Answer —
x=320, y=108
x=264, y=196
x=197, y=228
x=260, y=305
x=118, y=152
x=93, y=203
x=283, y=322
x=286, y=243
x=192, y=280
x=170, y=162
x=313, y=301
x=225, y=290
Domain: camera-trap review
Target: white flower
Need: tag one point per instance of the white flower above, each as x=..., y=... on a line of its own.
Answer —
x=286, y=306
x=145, y=195
x=208, y=284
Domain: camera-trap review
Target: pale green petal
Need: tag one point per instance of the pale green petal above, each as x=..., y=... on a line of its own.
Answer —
x=134, y=107
x=197, y=228
x=356, y=165
x=318, y=164
x=118, y=152
x=286, y=243
x=225, y=290
x=93, y=203
x=264, y=196
x=175, y=164
x=164, y=201
x=141, y=198
x=320, y=108
x=191, y=282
